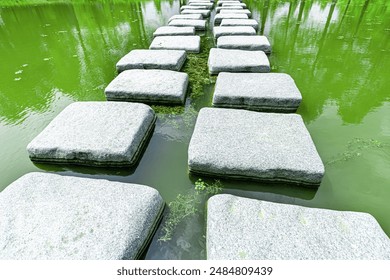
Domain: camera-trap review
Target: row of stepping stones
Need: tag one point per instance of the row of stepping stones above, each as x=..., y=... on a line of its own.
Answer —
x=251, y=137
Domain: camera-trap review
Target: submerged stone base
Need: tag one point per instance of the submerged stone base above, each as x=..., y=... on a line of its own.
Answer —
x=242, y=228
x=51, y=217
x=187, y=43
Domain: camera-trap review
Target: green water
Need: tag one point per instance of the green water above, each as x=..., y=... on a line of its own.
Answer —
x=338, y=52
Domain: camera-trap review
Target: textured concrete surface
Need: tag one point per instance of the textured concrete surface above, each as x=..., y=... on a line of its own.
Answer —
x=225, y=60
x=209, y=5
x=240, y=22
x=152, y=59
x=232, y=143
x=233, y=31
x=52, y=217
x=95, y=133
x=242, y=228
x=218, y=9
x=249, y=43
x=187, y=43
x=244, y=11
x=194, y=7
x=274, y=92
x=174, y=30
x=219, y=17
x=151, y=86
x=233, y=3
x=194, y=16
x=198, y=24
x=221, y=2
x=204, y=13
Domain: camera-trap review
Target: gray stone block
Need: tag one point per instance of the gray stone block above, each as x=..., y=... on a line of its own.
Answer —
x=150, y=86
x=174, y=30
x=204, y=13
x=249, y=43
x=221, y=2
x=227, y=4
x=233, y=31
x=243, y=228
x=207, y=4
x=194, y=7
x=194, y=16
x=225, y=60
x=51, y=217
x=218, y=9
x=219, y=17
x=198, y=24
x=240, y=144
x=187, y=43
x=152, y=59
x=244, y=11
x=274, y=92
x=240, y=22
x=95, y=133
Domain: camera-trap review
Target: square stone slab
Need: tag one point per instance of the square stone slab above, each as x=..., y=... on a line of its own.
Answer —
x=192, y=7
x=152, y=59
x=95, y=133
x=240, y=144
x=221, y=2
x=240, y=22
x=243, y=228
x=209, y=5
x=233, y=31
x=198, y=24
x=274, y=92
x=227, y=4
x=174, y=30
x=218, y=9
x=204, y=13
x=194, y=16
x=244, y=11
x=149, y=86
x=224, y=60
x=46, y=216
x=187, y=43
x=219, y=17
x=249, y=43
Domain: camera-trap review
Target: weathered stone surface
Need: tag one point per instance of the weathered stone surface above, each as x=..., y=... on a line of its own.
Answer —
x=232, y=143
x=225, y=60
x=187, y=43
x=219, y=17
x=218, y=9
x=233, y=30
x=244, y=11
x=204, y=13
x=243, y=228
x=174, y=30
x=227, y=4
x=250, y=43
x=221, y=2
x=198, y=24
x=52, y=217
x=275, y=92
x=192, y=7
x=152, y=59
x=209, y=5
x=150, y=86
x=95, y=133
x=194, y=16
x=240, y=22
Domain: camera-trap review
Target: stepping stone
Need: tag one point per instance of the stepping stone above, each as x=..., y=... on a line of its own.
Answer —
x=174, y=30
x=219, y=17
x=200, y=1
x=244, y=228
x=195, y=16
x=204, y=13
x=209, y=5
x=227, y=4
x=224, y=60
x=244, y=11
x=218, y=9
x=240, y=22
x=198, y=24
x=250, y=43
x=46, y=216
x=149, y=86
x=240, y=144
x=95, y=133
x=152, y=59
x=221, y=2
x=188, y=7
x=274, y=92
x=233, y=30
x=187, y=43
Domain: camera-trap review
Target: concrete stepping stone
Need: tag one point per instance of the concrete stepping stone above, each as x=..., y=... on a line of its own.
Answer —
x=149, y=86
x=174, y=30
x=200, y=1
x=233, y=30
x=209, y=5
x=152, y=59
x=198, y=24
x=95, y=133
x=250, y=43
x=219, y=17
x=244, y=228
x=244, y=11
x=224, y=60
x=218, y=9
x=194, y=16
x=240, y=22
x=227, y=4
x=46, y=216
x=274, y=92
x=188, y=43
x=221, y=2
x=240, y=144
x=204, y=13
x=192, y=7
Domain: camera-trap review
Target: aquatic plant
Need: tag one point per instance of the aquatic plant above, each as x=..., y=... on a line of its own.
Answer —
x=168, y=110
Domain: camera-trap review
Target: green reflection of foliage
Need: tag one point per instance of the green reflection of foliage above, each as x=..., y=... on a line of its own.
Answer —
x=9, y=3
x=187, y=205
